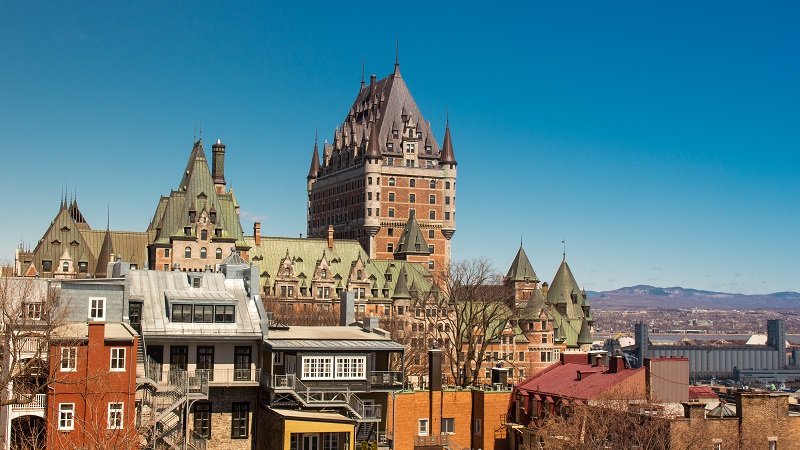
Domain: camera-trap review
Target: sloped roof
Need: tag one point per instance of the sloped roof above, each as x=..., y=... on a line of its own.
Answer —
x=411, y=241
x=521, y=268
x=305, y=254
x=196, y=190
x=561, y=380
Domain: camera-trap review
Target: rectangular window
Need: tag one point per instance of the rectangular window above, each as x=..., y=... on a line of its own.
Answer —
x=447, y=215
x=66, y=416
x=277, y=358
x=477, y=427
x=182, y=313
x=428, y=163
x=205, y=361
x=69, y=359
x=390, y=248
x=391, y=196
x=317, y=367
x=448, y=426
x=202, y=419
x=412, y=198
x=431, y=265
x=241, y=363
x=422, y=429
x=47, y=266
x=522, y=356
x=351, y=367
x=166, y=253
x=432, y=200
x=117, y=359
x=97, y=308
x=391, y=212
x=447, y=200
x=240, y=420
x=203, y=314
x=330, y=441
x=432, y=214
x=431, y=249
x=544, y=339
x=224, y=314
x=115, y=416
x=32, y=310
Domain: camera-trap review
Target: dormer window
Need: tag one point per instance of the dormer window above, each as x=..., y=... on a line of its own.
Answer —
x=394, y=133
x=218, y=232
x=410, y=133
x=187, y=231
x=213, y=217
x=324, y=274
x=286, y=273
x=419, y=134
x=428, y=149
x=192, y=216
x=389, y=146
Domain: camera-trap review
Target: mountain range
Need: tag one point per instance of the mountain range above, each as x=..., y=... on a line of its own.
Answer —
x=649, y=297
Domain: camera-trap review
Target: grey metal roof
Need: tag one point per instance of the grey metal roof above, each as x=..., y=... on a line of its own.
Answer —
x=331, y=338
x=326, y=345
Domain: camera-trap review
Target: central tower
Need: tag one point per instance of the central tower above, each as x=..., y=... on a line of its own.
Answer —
x=384, y=167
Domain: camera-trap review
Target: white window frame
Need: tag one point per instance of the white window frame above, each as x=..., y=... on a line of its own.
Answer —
x=351, y=368
x=66, y=416
x=69, y=355
x=317, y=367
x=423, y=427
x=277, y=359
x=330, y=441
x=452, y=429
x=116, y=413
x=93, y=309
x=116, y=358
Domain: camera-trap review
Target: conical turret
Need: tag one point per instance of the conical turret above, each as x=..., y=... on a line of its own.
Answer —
x=314, y=169
x=447, y=156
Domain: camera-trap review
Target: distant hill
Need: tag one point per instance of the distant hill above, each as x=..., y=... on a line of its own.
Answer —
x=644, y=296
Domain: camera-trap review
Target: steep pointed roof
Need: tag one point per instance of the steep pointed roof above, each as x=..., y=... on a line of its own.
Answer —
x=196, y=190
x=412, y=242
x=447, y=156
x=585, y=335
x=401, y=288
x=314, y=169
x=521, y=269
x=563, y=286
x=106, y=253
x=384, y=102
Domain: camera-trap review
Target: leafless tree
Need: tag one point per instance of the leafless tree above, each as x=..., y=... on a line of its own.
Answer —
x=291, y=313
x=30, y=322
x=467, y=309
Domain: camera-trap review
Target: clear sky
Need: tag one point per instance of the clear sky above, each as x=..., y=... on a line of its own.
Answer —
x=660, y=139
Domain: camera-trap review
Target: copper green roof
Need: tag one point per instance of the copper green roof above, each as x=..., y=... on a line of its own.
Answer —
x=565, y=291
x=196, y=190
x=412, y=242
x=521, y=269
x=401, y=288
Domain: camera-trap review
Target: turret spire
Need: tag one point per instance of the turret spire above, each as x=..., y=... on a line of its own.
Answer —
x=447, y=156
x=312, y=171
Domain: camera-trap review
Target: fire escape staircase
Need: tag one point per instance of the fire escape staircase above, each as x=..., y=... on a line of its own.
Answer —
x=163, y=403
x=288, y=390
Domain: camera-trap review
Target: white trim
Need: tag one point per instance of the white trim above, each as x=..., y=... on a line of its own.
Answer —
x=67, y=415
x=70, y=358
x=102, y=316
x=117, y=358
x=423, y=427
x=121, y=411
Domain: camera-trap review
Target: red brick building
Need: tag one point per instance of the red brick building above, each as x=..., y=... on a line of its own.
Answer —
x=91, y=405
x=383, y=167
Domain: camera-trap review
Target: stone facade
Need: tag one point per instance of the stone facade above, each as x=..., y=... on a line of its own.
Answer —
x=222, y=400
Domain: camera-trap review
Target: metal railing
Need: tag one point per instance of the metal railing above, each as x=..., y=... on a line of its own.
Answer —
x=327, y=395
x=39, y=401
x=437, y=440
x=213, y=377
x=386, y=378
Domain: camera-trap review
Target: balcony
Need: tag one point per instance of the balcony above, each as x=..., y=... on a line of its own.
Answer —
x=290, y=389
x=212, y=377
x=39, y=402
x=386, y=378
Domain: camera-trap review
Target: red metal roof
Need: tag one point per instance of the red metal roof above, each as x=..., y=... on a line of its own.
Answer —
x=698, y=392
x=562, y=380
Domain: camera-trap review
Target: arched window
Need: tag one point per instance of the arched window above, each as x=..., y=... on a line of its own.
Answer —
x=358, y=274
x=447, y=185
x=324, y=274
x=65, y=267
x=391, y=181
x=204, y=235
x=219, y=253
x=412, y=183
x=433, y=184
x=203, y=252
x=187, y=252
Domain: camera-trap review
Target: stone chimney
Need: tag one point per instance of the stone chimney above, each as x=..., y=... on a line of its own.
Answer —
x=257, y=232
x=347, y=302
x=218, y=166
x=330, y=236
x=370, y=323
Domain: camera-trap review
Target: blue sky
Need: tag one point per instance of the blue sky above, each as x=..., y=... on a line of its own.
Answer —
x=661, y=140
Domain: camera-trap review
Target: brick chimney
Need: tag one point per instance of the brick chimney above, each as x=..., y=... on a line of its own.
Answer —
x=257, y=232
x=616, y=364
x=218, y=166
x=330, y=236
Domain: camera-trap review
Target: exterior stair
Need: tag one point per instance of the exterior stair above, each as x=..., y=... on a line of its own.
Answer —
x=328, y=397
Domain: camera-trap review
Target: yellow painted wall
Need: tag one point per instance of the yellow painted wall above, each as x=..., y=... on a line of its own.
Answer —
x=307, y=426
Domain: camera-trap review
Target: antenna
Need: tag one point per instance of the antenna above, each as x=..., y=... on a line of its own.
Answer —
x=362, y=71
x=564, y=248
x=520, y=241
x=194, y=136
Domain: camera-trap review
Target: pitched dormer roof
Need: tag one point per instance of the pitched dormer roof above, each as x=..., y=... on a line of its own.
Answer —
x=412, y=242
